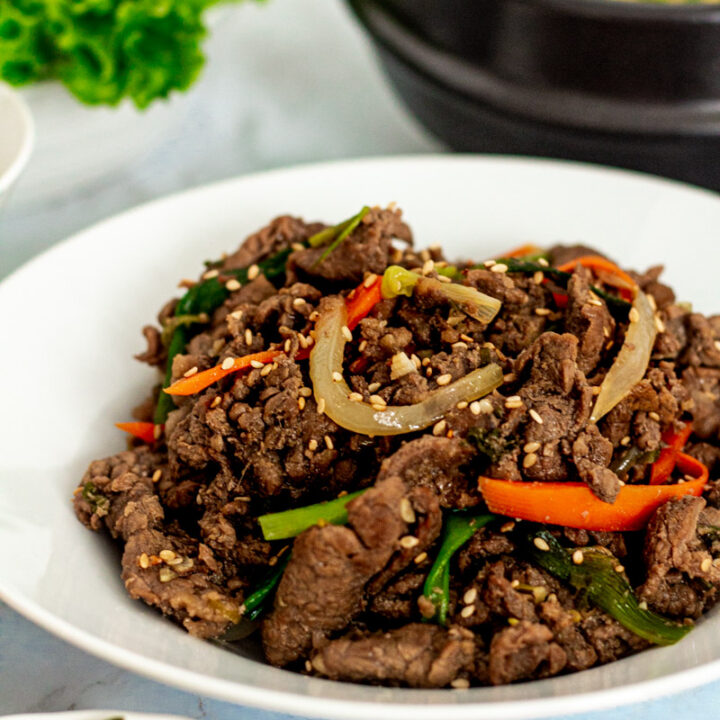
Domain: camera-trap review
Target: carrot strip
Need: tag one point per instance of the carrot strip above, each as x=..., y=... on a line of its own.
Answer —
x=361, y=301
x=662, y=468
x=523, y=251
x=607, y=271
x=195, y=383
x=574, y=504
x=144, y=431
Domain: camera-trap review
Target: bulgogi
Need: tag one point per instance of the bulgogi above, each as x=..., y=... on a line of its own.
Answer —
x=403, y=471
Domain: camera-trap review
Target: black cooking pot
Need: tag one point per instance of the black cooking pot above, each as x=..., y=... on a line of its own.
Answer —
x=631, y=84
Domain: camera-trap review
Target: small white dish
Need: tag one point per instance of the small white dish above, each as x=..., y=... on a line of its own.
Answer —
x=75, y=377
x=17, y=135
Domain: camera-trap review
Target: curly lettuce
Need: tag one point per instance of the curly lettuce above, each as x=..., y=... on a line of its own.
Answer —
x=104, y=51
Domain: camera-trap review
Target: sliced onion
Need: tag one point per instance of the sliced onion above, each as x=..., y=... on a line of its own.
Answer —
x=479, y=306
x=326, y=358
x=632, y=361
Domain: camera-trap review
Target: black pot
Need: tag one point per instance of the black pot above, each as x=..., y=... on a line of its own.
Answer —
x=635, y=85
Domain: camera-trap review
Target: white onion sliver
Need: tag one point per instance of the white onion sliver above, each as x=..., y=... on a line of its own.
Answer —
x=631, y=362
x=327, y=357
x=472, y=302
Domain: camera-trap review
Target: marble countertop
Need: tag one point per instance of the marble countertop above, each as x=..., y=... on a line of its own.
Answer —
x=250, y=112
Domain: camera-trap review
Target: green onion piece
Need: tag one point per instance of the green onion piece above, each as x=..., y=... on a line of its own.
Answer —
x=338, y=233
x=597, y=578
x=256, y=603
x=449, y=271
x=398, y=281
x=289, y=523
x=457, y=530
x=171, y=324
x=631, y=457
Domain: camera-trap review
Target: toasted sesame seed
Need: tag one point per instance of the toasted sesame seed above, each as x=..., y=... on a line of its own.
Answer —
x=313, y=445
x=444, y=279
x=470, y=596
x=596, y=389
x=654, y=416
x=717, y=344
x=462, y=405
x=313, y=316
x=298, y=302
x=144, y=561
x=157, y=431
x=192, y=371
x=236, y=315
x=651, y=301
x=227, y=363
x=489, y=263
x=467, y=611
x=416, y=361
x=166, y=575
x=541, y=544
x=253, y=272
x=422, y=557
x=287, y=345
x=538, y=277
x=619, y=568
x=167, y=555
x=210, y=274
x=428, y=267
x=439, y=428
x=157, y=475
x=706, y=565
x=499, y=268
x=425, y=362
x=507, y=527
x=425, y=254
x=409, y=541
x=329, y=443
x=248, y=336
x=346, y=333
x=513, y=621
x=529, y=460
x=444, y=379
x=373, y=387
x=643, y=605
x=377, y=400
x=378, y=407
x=535, y=415
x=355, y=397
x=542, y=261
x=460, y=684
x=369, y=280
x=578, y=557
x=216, y=401
x=176, y=561
x=510, y=377
x=305, y=392
x=633, y=315
x=232, y=285
x=406, y=510
x=513, y=402
x=542, y=311
x=531, y=447
x=466, y=338
x=514, y=583
x=625, y=441
x=301, y=403
x=257, y=364
x=321, y=406
x=336, y=376
x=460, y=345
x=297, y=247
x=595, y=300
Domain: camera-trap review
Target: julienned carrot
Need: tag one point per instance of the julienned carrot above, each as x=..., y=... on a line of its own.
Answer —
x=195, y=383
x=574, y=504
x=524, y=251
x=361, y=301
x=606, y=270
x=662, y=468
x=144, y=431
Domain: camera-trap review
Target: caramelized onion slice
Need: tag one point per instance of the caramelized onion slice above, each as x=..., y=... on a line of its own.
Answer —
x=632, y=361
x=326, y=358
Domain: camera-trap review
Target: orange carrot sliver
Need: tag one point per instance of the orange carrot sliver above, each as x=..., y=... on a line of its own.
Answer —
x=574, y=504
x=362, y=301
x=195, y=383
x=606, y=270
x=523, y=251
x=144, y=431
x=662, y=468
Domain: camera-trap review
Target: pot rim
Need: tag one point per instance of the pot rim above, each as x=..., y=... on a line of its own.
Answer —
x=635, y=10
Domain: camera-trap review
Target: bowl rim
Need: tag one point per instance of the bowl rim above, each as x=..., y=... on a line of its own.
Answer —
x=27, y=140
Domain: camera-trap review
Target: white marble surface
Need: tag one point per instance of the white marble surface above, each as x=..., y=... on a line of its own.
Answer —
x=290, y=81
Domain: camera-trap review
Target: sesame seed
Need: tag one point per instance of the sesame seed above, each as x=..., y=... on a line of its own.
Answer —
x=416, y=361
x=227, y=363
x=144, y=561
x=542, y=311
x=373, y=387
x=312, y=445
x=594, y=300
x=460, y=684
x=633, y=315
x=467, y=611
x=301, y=403
x=706, y=565
x=176, y=561
x=439, y=428
x=529, y=460
x=422, y=557
x=513, y=402
x=355, y=397
x=210, y=274
x=428, y=267
x=321, y=406
x=370, y=279
x=619, y=568
x=287, y=345
x=305, y=392
x=535, y=415
x=510, y=377
x=460, y=345
x=409, y=541
x=499, y=268
x=643, y=605
x=426, y=362
x=253, y=272
x=216, y=401
x=507, y=527
x=346, y=333
x=470, y=596
x=444, y=279
x=257, y=364
x=578, y=557
x=654, y=416
x=377, y=400
x=515, y=583
x=542, y=261
x=462, y=405
x=531, y=447
x=378, y=407
x=192, y=371
x=362, y=346
x=302, y=340
x=236, y=314
x=329, y=443
x=489, y=263
x=651, y=301
x=336, y=376
x=513, y=621
x=166, y=575
x=425, y=254
x=248, y=336
x=157, y=431
x=298, y=302
x=625, y=441
x=596, y=390
x=313, y=316
x=717, y=344
x=538, y=277
x=444, y=379
x=541, y=544
x=232, y=285
x=406, y=510
x=167, y=555
x=297, y=247
x=157, y=475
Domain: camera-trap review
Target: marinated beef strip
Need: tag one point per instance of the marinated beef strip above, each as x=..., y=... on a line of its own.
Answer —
x=350, y=603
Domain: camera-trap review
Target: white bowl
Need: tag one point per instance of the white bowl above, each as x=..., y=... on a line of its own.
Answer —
x=16, y=137
x=74, y=378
